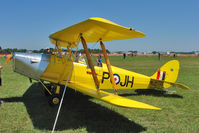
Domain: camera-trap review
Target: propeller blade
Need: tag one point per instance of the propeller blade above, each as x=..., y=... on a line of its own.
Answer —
x=8, y=58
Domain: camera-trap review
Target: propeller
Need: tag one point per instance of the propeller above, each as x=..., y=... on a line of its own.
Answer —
x=8, y=58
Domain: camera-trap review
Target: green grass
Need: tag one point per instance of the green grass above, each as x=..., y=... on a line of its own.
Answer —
x=25, y=108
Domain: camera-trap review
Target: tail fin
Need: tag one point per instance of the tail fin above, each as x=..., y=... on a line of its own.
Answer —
x=168, y=73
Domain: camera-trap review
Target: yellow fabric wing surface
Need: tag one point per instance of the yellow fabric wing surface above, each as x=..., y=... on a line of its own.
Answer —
x=92, y=30
x=111, y=98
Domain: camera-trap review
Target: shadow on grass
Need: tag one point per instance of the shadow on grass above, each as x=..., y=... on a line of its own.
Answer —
x=77, y=112
x=153, y=92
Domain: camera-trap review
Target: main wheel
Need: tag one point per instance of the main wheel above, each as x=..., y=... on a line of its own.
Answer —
x=54, y=99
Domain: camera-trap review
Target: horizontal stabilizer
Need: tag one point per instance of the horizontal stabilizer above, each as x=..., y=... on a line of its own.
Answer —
x=111, y=98
x=179, y=85
x=154, y=83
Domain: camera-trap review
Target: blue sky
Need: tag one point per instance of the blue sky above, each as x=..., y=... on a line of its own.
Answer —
x=170, y=25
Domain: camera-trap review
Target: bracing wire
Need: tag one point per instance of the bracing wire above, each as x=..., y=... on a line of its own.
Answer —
x=60, y=105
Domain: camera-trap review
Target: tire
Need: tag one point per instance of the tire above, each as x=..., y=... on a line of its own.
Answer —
x=54, y=100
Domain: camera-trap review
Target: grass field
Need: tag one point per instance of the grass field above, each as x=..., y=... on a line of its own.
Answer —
x=25, y=108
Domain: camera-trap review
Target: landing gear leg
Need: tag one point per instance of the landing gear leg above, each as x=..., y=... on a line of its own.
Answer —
x=53, y=92
x=47, y=89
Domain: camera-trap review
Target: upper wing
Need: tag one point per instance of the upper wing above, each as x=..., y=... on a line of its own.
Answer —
x=92, y=30
x=110, y=98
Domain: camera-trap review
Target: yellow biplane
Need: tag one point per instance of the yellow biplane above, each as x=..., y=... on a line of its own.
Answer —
x=60, y=69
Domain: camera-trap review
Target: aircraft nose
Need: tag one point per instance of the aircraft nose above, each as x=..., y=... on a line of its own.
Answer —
x=31, y=65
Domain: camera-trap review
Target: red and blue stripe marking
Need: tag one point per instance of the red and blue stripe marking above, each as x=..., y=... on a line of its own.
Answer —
x=161, y=75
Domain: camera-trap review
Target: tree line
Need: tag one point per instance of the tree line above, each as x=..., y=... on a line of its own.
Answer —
x=10, y=50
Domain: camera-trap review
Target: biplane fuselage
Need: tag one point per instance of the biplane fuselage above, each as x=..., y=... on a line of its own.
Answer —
x=55, y=69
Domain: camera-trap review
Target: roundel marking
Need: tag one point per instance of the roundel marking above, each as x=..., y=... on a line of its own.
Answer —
x=116, y=78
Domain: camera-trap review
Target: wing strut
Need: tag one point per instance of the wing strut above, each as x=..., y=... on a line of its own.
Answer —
x=90, y=62
x=108, y=66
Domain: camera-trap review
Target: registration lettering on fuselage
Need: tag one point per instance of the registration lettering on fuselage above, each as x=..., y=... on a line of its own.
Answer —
x=128, y=80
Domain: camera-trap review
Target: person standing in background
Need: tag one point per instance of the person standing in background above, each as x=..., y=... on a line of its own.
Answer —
x=1, y=67
x=124, y=56
x=159, y=56
x=0, y=78
x=99, y=61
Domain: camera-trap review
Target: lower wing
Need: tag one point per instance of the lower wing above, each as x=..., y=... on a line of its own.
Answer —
x=110, y=98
